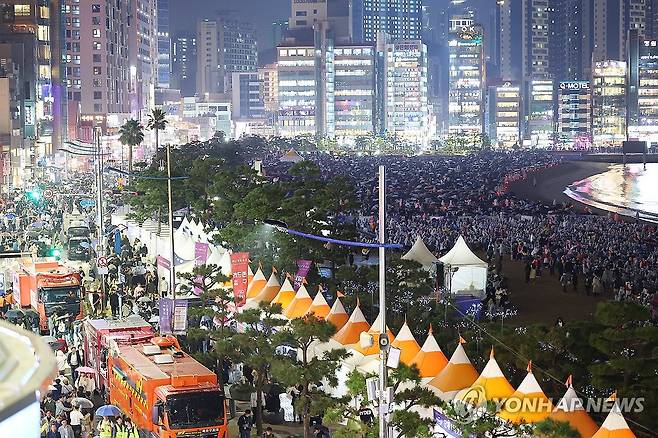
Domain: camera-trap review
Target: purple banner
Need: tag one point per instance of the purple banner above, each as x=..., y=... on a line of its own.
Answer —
x=448, y=429
x=303, y=266
x=200, y=258
x=166, y=310
x=170, y=313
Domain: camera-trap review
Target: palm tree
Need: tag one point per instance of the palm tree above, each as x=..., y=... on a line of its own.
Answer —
x=156, y=122
x=131, y=134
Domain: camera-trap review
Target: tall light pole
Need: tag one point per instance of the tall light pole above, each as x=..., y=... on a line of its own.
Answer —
x=99, y=208
x=172, y=263
x=382, y=246
x=383, y=336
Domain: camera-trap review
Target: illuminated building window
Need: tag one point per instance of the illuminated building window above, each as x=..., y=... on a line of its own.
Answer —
x=22, y=10
x=44, y=12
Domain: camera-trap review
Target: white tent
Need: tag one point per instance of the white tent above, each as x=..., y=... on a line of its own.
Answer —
x=419, y=253
x=465, y=273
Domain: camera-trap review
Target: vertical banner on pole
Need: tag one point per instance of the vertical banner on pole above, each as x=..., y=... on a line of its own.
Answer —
x=240, y=268
x=180, y=316
x=200, y=258
x=303, y=266
x=166, y=310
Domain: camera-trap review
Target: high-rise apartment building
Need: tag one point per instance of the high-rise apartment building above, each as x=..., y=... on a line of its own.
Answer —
x=574, y=114
x=503, y=118
x=164, y=44
x=609, y=103
x=540, y=113
x=223, y=46
x=246, y=100
x=406, y=112
x=296, y=90
x=268, y=78
x=535, y=35
x=400, y=19
x=570, y=40
x=508, y=40
x=467, y=77
x=642, y=88
x=143, y=55
x=184, y=63
x=40, y=19
x=354, y=70
x=99, y=78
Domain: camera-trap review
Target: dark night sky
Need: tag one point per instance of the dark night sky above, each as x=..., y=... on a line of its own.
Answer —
x=261, y=13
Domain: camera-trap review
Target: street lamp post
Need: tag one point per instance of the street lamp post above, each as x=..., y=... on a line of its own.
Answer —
x=172, y=263
x=99, y=209
x=383, y=336
x=382, y=246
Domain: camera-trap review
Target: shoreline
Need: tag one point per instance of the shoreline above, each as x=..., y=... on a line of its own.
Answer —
x=552, y=182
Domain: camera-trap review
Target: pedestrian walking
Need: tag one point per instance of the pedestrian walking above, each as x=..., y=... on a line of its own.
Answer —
x=245, y=424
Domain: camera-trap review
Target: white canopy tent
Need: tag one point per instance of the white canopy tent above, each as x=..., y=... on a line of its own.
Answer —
x=465, y=273
x=419, y=253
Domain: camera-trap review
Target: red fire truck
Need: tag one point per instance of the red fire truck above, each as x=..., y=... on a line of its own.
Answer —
x=162, y=389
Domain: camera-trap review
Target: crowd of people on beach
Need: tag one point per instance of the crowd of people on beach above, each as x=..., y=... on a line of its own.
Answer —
x=439, y=198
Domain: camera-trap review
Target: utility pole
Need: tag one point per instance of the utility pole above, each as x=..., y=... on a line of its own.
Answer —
x=99, y=210
x=172, y=262
x=383, y=336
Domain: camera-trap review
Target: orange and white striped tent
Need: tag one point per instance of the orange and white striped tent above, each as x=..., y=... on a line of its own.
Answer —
x=299, y=304
x=337, y=315
x=430, y=360
x=490, y=386
x=350, y=333
x=374, y=331
x=367, y=359
x=407, y=344
x=250, y=274
x=458, y=374
x=570, y=409
x=256, y=284
x=528, y=404
x=319, y=306
x=270, y=290
x=286, y=294
x=615, y=425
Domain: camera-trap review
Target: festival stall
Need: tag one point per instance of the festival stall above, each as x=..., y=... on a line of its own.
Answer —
x=528, y=404
x=458, y=374
x=430, y=360
x=420, y=254
x=615, y=425
x=570, y=409
x=465, y=273
x=491, y=385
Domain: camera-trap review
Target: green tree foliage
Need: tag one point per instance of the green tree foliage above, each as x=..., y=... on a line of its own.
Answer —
x=310, y=371
x=131, y=134
x=157, y=122
x=217, y=301
x=256, y=346
x=555, y=429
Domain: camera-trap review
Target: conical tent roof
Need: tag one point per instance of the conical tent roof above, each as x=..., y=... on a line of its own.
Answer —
x=570, y=409
x=615, y=425
x=299, y=305
x=270, y=291
x=285, y=296
x=337, y=315
x=491, y=385
x=461, y=255
x=319, y=306
x=351, y=331
x=419, y=253
x=430, y=360
x=458, y=374
x=291, y=157
x=256, y=284
x=407, y=344
x=374, y=331
x=250, y=275
x=528, y=404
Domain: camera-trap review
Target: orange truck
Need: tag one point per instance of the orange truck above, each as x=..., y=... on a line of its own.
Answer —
x=48, y=287
x=166, y=392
